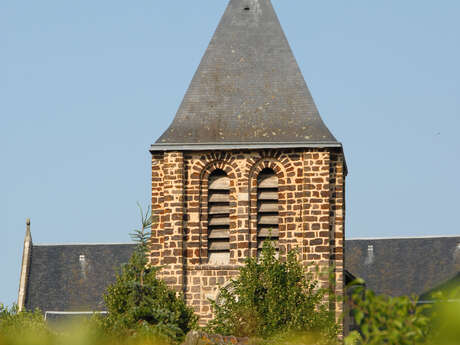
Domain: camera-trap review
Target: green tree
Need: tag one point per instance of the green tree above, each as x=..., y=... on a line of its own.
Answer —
x=140, y=303
x=272, y=297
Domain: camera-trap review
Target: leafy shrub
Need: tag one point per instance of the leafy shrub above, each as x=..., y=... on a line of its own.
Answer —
x=272, y=297
x=139, y=303
x=401, y=320
x=387, y=320
x=23, y=327
x=30, y=328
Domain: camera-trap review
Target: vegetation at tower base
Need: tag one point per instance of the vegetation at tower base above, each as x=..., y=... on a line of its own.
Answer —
x=139, y=302
x=273, y=298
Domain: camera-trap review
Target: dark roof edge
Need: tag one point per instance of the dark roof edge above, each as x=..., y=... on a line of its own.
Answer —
x=401, y=238
x=83, y=244
x=235, y=146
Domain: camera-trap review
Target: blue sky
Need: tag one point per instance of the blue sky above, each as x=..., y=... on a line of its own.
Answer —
x=87, y=86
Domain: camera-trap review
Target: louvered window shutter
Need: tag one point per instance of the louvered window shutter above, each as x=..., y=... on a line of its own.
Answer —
x=219, y=218
x=267, y=206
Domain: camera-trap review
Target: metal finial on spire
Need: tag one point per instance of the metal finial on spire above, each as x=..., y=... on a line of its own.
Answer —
x=28, y=234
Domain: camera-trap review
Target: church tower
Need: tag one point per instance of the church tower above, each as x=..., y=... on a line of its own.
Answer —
x=246, y=157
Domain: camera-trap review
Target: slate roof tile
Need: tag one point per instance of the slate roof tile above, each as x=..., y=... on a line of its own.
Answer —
x=61, y=279
x=403, y=266
x=248, y=87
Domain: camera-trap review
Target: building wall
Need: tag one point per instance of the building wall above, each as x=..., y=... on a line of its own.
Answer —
x=311, y=215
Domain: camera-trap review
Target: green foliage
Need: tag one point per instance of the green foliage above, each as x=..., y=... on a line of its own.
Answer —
x=142, y=236
x=445, y=318
x=401, y=321
x=272, y=297
x=30, y=328
x=140, y=303
x=22, y=327
x=387, y=320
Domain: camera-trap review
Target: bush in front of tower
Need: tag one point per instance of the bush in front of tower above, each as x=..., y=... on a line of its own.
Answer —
x=141, y=305
x=273, y=298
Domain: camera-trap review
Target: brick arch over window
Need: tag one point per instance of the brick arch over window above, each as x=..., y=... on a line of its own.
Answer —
x=275, y=165
x=211, y=169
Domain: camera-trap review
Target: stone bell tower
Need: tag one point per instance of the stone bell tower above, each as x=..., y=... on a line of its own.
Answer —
x=246, y=157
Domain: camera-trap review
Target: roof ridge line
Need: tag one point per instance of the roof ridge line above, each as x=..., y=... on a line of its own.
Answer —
x=251, y=142
x=80, y=244
x=400, y=237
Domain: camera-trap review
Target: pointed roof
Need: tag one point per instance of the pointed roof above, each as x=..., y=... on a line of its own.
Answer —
x=248, y=90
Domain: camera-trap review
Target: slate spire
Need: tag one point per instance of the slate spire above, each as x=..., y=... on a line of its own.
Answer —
x=248, y=90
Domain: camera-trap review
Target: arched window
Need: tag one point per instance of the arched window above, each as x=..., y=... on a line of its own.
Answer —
x=218, y=218
x=267, y=208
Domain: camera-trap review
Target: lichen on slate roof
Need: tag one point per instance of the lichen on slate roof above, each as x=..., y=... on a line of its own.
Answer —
x=403, y=266
x=73, y=277
x=248, y=88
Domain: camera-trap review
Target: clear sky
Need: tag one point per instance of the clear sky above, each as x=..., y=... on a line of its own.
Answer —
x=87, y=86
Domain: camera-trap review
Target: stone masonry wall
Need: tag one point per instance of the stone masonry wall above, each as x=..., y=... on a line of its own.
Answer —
x=311, y=214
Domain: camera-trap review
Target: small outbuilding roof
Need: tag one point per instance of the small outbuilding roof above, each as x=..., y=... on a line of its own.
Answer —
x=248, y=91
